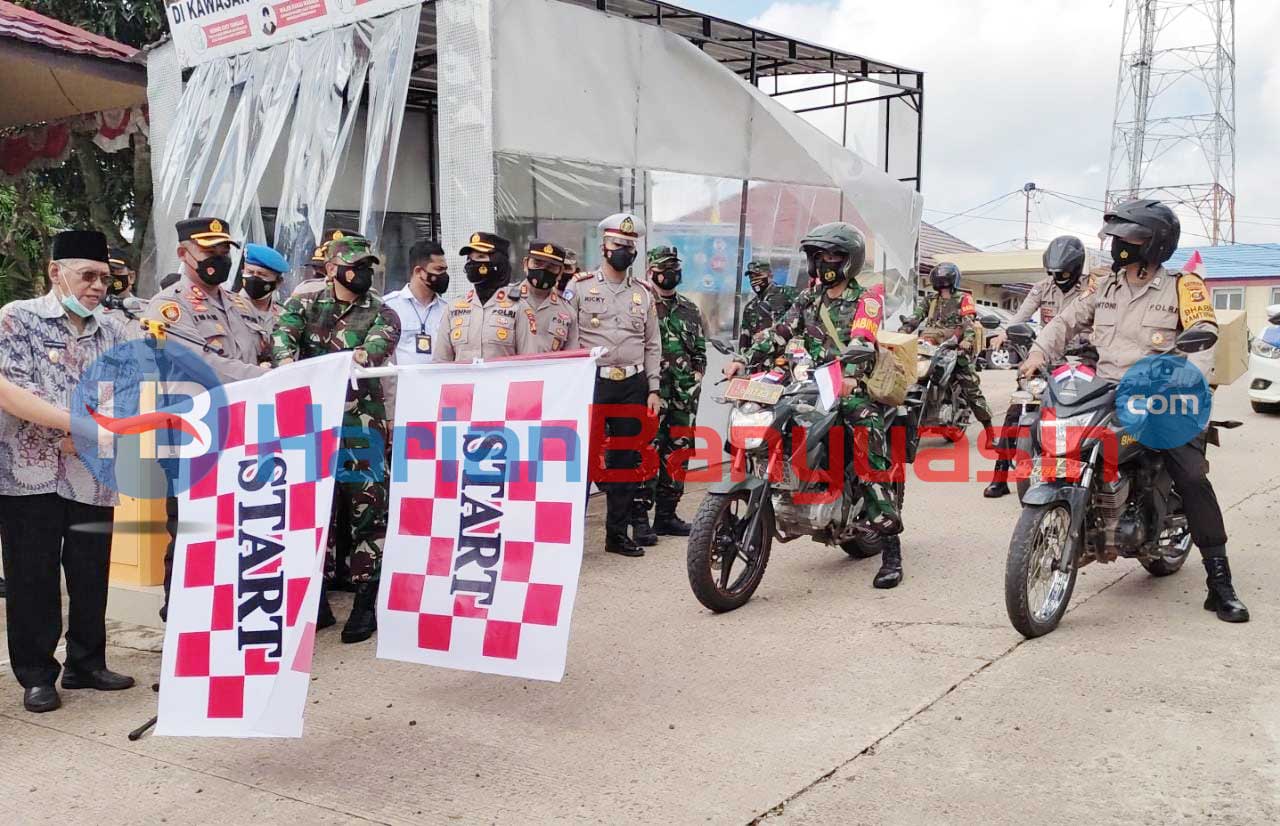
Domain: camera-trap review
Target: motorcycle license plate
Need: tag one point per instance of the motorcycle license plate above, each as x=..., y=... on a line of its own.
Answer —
x=1056, y=469
x=745, y=390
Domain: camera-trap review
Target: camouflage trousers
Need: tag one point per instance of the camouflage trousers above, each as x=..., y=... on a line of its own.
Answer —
x=663, y=488
x=864, y=414
x=971, y=389
x=360, y=497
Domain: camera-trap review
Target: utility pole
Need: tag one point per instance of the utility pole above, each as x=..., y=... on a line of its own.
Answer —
x=1027, y=189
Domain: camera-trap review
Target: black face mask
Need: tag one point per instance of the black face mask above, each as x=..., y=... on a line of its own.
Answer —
x=1066, y=281
x=481, y=272
x=438, y=282
x=118, y=285
x=214, y=269
x=759, y=285
x=542, y=279
x=357, y=279
x=258, y=288
x=622, y=258
x=564, y=281
x=827, y=273
x=1124, y=253
x=667, y=279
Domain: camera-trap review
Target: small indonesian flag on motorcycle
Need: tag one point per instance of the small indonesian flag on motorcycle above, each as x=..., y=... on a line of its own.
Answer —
x=829, y=377
x=1067, y=372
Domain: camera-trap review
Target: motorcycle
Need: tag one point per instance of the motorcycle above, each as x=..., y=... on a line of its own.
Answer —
x=1072, y=514
x=1026, y=397
x=775, y=423
x=935, y=397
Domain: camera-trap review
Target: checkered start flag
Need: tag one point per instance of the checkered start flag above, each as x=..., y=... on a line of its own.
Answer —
x=254, y=516
x=484, y=543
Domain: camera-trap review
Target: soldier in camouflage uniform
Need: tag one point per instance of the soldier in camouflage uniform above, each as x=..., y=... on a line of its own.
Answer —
x=682, y=331
x=828, y=319
x=346, y=315
x=947, y=313
x=769, y=304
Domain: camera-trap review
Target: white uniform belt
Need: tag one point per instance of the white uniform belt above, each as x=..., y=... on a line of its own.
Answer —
x=620, y=373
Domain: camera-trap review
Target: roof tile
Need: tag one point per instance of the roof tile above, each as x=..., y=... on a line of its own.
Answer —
x=30, y=27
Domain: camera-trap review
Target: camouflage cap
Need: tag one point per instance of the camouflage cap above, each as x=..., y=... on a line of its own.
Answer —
x=663, y=255
x=351, y=249
x=760, y=265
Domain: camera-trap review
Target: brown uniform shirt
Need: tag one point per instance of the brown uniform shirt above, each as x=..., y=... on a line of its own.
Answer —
x=1046, y=298
x=471, y=330
x=555, y=327
x=1130, y=323
x=620, y=317
x=236, y=335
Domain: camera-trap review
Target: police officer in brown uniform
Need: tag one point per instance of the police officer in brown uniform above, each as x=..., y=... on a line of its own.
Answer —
x=617, y=312
x=1138, y=312
x=196, y=308
x=488, y=322
x=1062, y=286
x=552, y=317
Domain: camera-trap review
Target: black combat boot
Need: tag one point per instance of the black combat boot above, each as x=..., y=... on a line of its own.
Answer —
x=641, y=531
x=1222, y=597
x=667, y=523
x=1000, y=485
x=364, y=614
x=324, y=613
x=890, y=573
x=622, y=545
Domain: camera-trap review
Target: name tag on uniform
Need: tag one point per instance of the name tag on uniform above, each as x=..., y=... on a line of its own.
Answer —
x=424, y=343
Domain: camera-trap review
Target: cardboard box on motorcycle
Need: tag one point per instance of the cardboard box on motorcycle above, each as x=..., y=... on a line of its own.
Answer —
x=1231, y=354
x=895, y=369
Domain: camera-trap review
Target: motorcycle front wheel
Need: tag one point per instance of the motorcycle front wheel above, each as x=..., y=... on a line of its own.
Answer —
x=1038, y=576
x=725, y=566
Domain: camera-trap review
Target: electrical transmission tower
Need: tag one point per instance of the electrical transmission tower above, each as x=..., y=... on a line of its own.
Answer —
x=1175, y=120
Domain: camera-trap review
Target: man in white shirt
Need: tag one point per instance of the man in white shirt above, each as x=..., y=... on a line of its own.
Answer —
x=420, y=304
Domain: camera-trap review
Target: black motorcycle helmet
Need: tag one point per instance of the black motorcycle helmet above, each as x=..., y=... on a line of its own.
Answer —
x=1146, y=222
x=835, y=237
x=1064, y=261
x=945, y=276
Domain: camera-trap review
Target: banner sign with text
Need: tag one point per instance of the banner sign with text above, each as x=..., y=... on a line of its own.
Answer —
x=207, y=29
x=484, y=543
x=253, y=521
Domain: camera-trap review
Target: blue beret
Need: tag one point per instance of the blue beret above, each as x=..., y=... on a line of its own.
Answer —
x=265, y=256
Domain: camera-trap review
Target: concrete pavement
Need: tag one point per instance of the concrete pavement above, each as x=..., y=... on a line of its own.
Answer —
x=821, y=701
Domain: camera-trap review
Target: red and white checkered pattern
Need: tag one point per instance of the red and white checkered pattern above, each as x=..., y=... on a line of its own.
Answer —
x=210, y=686
x=525, y=631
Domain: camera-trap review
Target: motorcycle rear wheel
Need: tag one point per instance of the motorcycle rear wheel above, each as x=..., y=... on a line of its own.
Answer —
x=715, y=546
x=1036, y=588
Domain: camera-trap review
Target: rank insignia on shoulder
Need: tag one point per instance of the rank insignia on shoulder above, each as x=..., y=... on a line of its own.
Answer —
x=583, y=276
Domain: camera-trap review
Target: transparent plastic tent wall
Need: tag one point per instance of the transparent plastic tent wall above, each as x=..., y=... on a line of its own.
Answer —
x=544, y=142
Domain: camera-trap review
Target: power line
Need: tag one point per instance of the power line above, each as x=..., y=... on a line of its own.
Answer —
x=955, y=215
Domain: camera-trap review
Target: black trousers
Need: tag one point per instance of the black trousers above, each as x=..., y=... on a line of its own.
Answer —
x=1188, y=469
x=170, y=525
x=620, y=495
x=38, y=538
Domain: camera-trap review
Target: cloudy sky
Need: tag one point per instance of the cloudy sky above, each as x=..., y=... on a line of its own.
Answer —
x=1024, y=91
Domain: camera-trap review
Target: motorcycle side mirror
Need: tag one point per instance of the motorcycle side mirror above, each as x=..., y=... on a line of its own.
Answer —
x=990, y=322
x=1196, y=340
x=1273, y=314
x=722, y=345
x=1021, y=334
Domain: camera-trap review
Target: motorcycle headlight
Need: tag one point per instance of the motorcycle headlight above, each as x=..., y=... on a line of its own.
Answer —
x=1058, y=437
x=1267, y=351
x=745, y=425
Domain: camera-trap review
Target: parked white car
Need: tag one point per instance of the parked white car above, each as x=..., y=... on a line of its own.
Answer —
x=1264, y=366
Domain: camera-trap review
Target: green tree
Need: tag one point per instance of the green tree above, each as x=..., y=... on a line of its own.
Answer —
x=27, y=214
x=110, y=192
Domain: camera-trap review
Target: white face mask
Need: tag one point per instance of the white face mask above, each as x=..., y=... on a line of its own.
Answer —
x=72, y=304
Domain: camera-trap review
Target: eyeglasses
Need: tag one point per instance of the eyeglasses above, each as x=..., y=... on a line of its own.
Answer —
x=89, y=277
